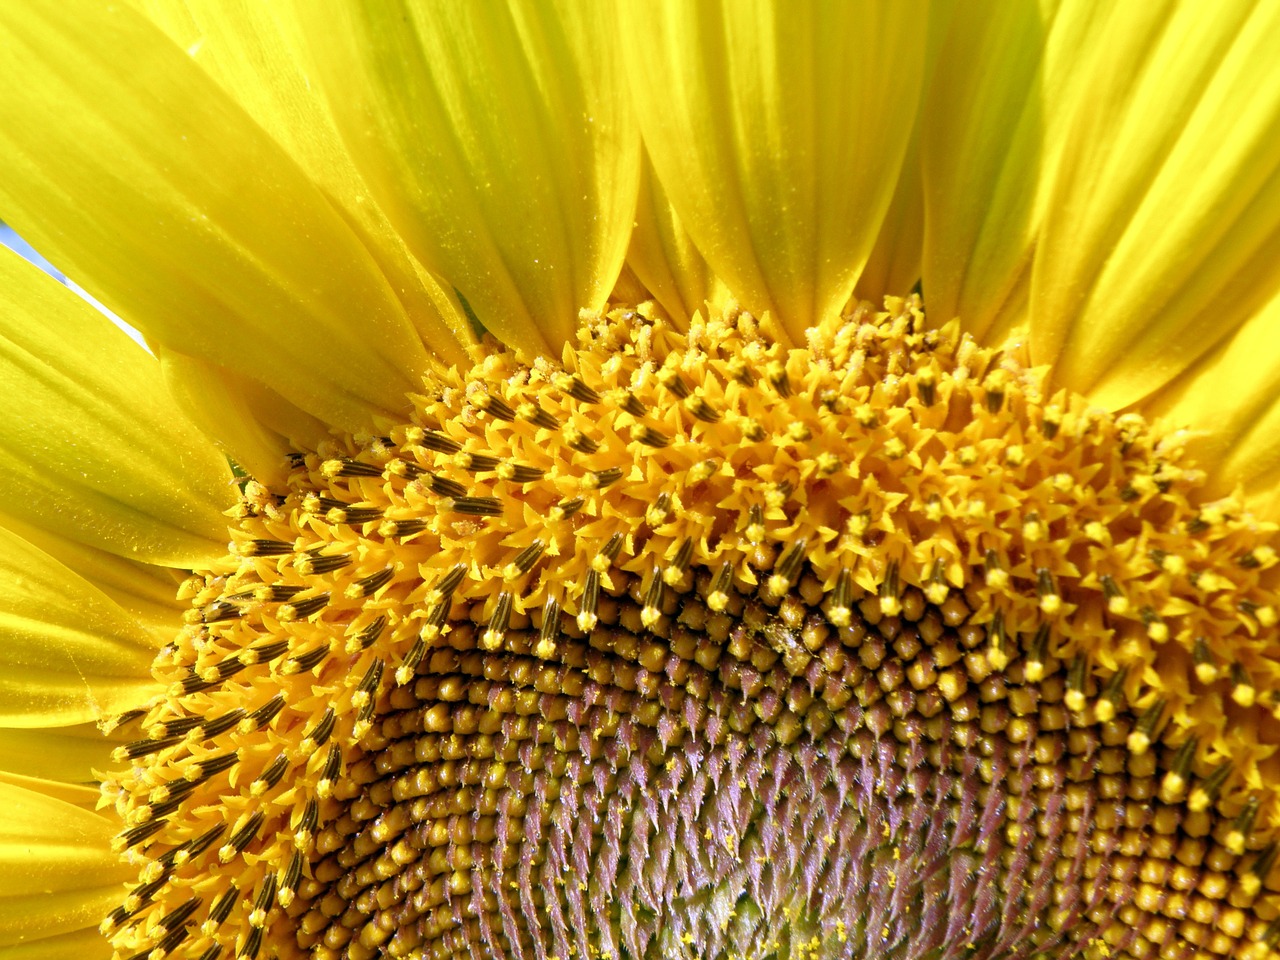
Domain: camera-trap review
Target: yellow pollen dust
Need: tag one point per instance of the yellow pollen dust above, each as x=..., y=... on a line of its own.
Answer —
x=883, y=473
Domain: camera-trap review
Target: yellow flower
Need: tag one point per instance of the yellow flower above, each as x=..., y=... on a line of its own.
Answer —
x=715, y=480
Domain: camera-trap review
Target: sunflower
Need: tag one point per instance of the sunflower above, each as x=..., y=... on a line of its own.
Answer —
x=720, y=480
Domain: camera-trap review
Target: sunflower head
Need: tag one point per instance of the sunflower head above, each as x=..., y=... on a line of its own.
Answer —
x=846, y=536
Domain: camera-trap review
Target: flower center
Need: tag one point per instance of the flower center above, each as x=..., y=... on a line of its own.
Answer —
x=697, y=645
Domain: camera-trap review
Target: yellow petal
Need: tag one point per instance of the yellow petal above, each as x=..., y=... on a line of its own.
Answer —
x=253, y=425
x=138, y=176
x=253, y=52
x=777, y=131
x=663, y=255
x=1230, y=402
x=146, y=592
x=499, y=141
x=893, y=266
x=57, y=874
x=85, y=796
x=989, y=133
x=1163, y=228
x=69, y=655
x=91, y=446
x=65, y=755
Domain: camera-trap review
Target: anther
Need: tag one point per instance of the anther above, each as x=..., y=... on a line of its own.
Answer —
x=532, y=413
x=776, y=374
x=204, y=769
x=302, y=662
x=587, y=603
x=999, y=653
x=405, y=672
x=368, y=686
x=840, y=608
x=1076, y=676
x=476, y=462
x=1117, y=602
x=1047, y=591
x=473, y=506
x=263, y=715
x=297, y=609
x=290, y=879
x=270, y=776
x=718, y=597
x=264, y=901
x=1034, y=670
x=566, y=509
x=448, y=583
x=368, y=636
x=631, y=404
x=1051, y=421
x=349, y=468
x=994, y=573
x=220, y=725
x=607, y=554
x=890, y=603
x=579, y=441
x=306, y=825
x=670, y=378
x=651, y=612
x=1104, y=710
x=937, y=589
x=1174, y=785
x=401, y=528
x=926, y=386
x=520, y=473
x=755, y=524
x=319, y=735
x=549, y=631
x=264, y=652
x=659, y=511
x=1260, y=869
x=444, y=487
x=407, y=469
x=574, y=387
x=647, y=435
x=366, y=586
x=353, y=515
x=1207, y=669
x=252, y=944
x=698, y=406
x=1243, y=691
x=524, y=560
x=143, y=748
x=601, y=479
x=739, y=370
x=787, y=569
x=112, y=724
x=1242, y=827
x=220, y=910
x=220, y=612
x=175, y=918
x=329, y=772
x=263, y=548
x=494, y=406
x=436, y=441
x=1139, y=740
x=136, y=835
x=312, y=564
x=675, y=571
x=491, y=639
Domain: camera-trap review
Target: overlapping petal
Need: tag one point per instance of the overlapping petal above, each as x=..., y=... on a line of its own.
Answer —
x=58, y=877
x=91, y=446
x=69, y=654
x=1162, y=229
x=130, y=168
x=500, y=142
x=777, y=132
